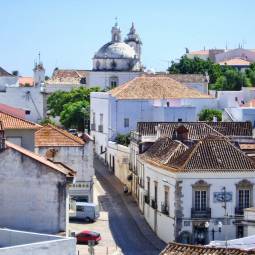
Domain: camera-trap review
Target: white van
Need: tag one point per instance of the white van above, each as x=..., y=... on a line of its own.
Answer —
x=85, y=211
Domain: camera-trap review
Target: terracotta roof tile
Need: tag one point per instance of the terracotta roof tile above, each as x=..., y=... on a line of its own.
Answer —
x=213, y=154
x=185, y=249
x=26, y=80
x=156, y=87
x=63, y=169
x=4, y=73
x=251, y=104
x=164, y=151
x=235, y=62
x=50, y=135
x=232, y=128
x=200, y=52
x=17, y=112
x=13, y=122
x=197, y=130
x=68, y=75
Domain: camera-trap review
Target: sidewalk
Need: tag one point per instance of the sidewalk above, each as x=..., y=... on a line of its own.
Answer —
x=130, y=204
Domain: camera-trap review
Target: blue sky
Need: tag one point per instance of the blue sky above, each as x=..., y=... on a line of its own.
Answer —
x=69, y=32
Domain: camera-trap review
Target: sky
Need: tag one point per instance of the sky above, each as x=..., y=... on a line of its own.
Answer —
x=69, y=32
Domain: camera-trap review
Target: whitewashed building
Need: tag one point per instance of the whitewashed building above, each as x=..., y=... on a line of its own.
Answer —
x=188, y=188
x=17, y=242
x=59, y=145
x=33, y=190
x=145, y=98
x=7, y=79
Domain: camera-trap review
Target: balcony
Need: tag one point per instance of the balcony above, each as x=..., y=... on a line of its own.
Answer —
x=200, y=214
x=93, y=127
x=146, y=199
x=165, y=209
x=135, y=136
x=239, y=211
x=100, y=128
x=154, y=204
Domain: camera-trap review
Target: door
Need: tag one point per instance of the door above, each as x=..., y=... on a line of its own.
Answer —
x=113, y=164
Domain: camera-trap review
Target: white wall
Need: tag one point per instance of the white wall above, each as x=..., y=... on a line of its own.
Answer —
x=25, y=98
x=18, y=242
x=78, y=158
x=9, y=81
x=216, y=181
x=32, y=195
x=101, y=78
x=121, y=159
x=165, y=224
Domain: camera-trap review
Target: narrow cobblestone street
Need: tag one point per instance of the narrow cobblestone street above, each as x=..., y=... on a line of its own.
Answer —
x=120, y=224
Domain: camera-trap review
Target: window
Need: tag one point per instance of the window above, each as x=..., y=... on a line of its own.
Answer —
x=156, y=192
x=244, y=198
x=244, y=191
x=148, y=186
x=113, y=81
x=101, y=118
x=126, y=122
x=200, y=200
x=27, y=112
x=167, y=104
x=80, y=208
x=94, y=118
x=166, y=196
x=179, y=120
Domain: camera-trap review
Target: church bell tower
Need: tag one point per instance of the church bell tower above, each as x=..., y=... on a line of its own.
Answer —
x=134, y=41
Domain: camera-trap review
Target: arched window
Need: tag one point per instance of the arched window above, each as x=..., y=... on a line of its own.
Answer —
x=113, y=81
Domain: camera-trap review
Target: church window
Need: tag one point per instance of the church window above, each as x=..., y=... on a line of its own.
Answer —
x=113, y=81
x=83, y=80
x=126, y=122
x=97, y=65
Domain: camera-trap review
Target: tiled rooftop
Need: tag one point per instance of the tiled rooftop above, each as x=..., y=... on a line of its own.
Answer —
x=12, y=110
x=164, y=151
x=232, y=128
x=184, y=249
x=67, y=75
x=12, y=122
x=4, y=73
x=50, y=135
x=235, y=62
x=213, y=154
x=156, y=87
x=197, y=130
x=26, y=81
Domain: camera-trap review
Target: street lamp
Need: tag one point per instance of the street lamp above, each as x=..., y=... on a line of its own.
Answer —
x=207, y=225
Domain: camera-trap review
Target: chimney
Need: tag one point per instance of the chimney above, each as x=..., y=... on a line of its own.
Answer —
x=2, y=138
x=215, y=119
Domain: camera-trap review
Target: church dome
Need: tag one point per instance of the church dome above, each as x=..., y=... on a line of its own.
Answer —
x=116, y=50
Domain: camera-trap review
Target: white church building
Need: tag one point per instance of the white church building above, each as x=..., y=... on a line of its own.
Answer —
x=115, y=63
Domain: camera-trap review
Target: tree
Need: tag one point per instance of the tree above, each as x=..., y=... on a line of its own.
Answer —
x=46, y=121
x=208, y=114
x=15, y=73
x=72, y=107
x=221, y=77
x=123, y=139
x=74, y=115
x=232, y=79
x=196, y=66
